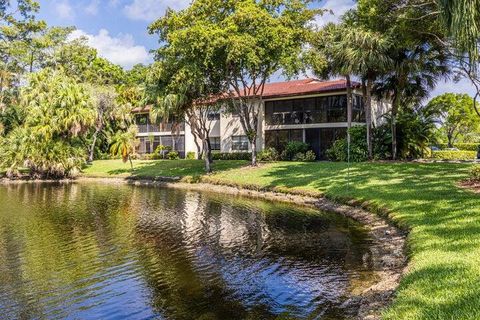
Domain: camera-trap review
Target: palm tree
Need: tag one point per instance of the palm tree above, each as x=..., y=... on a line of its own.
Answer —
x=462, y=20
x=328, y=45
x=415, y=73
x=367, y=53
x=124, y=144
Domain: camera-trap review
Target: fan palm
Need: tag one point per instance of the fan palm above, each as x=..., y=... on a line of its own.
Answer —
x=124, y=144
x=367, y=53
x=329, y=44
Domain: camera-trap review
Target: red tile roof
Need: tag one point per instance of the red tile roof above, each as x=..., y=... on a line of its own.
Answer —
x=294, y=88
x=303, y=87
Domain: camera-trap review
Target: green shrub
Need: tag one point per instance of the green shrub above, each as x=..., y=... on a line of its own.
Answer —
x=231, y=156
x=161, y=151
x=269, y=154
x=461, y=146
x=358, y=147
x=308, y=156
x=293, y=148
x=475, y=173
x=190, y=155
x=173, y=155
x=454, y=155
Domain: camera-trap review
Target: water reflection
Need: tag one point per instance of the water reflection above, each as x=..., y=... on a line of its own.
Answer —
x=116, y=252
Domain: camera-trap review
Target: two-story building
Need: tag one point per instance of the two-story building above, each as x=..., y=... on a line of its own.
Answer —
x=308, y=110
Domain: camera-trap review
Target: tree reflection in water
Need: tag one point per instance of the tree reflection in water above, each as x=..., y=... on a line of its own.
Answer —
x=116, y=252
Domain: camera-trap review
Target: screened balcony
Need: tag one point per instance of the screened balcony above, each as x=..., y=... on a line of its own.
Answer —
x=327, y=109
x=146, y=126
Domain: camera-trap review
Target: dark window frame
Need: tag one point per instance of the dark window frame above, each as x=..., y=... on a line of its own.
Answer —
x=215, y=143
x=240, y=143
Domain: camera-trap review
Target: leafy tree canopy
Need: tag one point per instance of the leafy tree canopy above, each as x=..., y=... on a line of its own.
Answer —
x=455, y=114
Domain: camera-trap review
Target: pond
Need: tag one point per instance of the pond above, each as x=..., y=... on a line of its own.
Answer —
x=97, y=251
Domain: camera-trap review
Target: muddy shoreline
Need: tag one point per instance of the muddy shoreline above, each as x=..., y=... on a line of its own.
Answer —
x=388, y=248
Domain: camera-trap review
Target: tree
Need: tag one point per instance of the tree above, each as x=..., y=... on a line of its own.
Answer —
x=82, y=62
x=17, y=29
x=349, y=49
x=58, y=112
x=455, y=114
x=418, y=51
x=108, y=113
x=124, y=144
x=245, y=41
x=182, y=90
x=328, y=45
x=462, y=20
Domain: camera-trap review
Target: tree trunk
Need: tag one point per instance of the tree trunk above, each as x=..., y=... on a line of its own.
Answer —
x=199, y=149
x=207, y=151
x=394, y=126
x=92, y=147
x=349, y=113
x=368, y=118
x=450, y=140
x=131, y=163
x=254, y=151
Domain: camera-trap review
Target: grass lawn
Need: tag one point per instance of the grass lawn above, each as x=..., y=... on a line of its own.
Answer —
x=154, y=168
x=443, y=281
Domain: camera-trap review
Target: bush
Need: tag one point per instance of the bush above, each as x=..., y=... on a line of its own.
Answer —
x=173, y=155
x=161, y=151
x=231, y=156
x=308, y=156
x=269, y=154
x=475, y=173
x=461, y=146
x=358, y=147
x=454, y=155
x=190, y=155
x=293, y=148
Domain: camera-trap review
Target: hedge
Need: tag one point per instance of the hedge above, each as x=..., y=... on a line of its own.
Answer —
x=454, y=155
x=461, y=146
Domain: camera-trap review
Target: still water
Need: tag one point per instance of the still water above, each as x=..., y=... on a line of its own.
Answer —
x=94, y=251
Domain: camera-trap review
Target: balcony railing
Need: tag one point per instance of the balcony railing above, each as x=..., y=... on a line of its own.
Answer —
x=163, y=127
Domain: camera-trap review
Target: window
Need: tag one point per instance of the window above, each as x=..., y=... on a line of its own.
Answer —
x=309, y=110
x=239, y=143
x=141, y=119
x=358, y=110
x=213, y=116
x=215, y=143
x=336, y=108
x=278, y=139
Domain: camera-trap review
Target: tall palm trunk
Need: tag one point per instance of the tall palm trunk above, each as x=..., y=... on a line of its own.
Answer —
x=395, y=105
x=368, y=117
x=349, y=112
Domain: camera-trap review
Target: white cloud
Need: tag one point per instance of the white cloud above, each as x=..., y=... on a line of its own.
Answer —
x=64, y=10
x=150, y=10
x=120, y=49
x=338, y=7
x=92, y=8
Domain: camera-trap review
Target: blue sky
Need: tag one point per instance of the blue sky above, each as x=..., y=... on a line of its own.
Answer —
x=118, y=28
